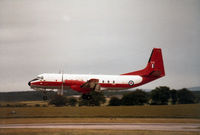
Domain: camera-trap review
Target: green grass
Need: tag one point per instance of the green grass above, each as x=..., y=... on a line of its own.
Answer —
x=163, y=111
x=88, y=132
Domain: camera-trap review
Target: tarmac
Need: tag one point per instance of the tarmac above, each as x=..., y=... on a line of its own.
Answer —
x=112, y=126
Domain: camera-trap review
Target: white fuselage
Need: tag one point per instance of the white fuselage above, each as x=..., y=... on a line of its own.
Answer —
x=106, y=81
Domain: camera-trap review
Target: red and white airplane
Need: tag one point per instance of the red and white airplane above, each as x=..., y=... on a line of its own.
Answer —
x=85, y=83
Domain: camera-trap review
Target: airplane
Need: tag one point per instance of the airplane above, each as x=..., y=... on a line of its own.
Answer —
x=85, y=83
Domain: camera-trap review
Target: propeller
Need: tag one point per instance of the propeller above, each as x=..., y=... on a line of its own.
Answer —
x=60, y=91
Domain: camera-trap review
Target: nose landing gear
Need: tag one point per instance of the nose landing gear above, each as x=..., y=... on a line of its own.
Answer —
x=45, y=94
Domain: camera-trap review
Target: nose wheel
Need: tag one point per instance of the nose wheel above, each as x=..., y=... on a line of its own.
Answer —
x=45, y=94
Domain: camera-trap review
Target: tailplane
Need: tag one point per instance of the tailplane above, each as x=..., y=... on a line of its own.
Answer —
x=154, y=68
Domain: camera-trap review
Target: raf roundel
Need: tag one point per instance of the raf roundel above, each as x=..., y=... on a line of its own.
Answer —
x=131, y=83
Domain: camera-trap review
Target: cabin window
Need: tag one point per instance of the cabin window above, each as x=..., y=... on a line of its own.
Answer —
x=113, y=81
x=103, y=81
x=108, y=81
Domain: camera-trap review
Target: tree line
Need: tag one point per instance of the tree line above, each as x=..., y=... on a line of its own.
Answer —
x=159, y=96
x=162, y=95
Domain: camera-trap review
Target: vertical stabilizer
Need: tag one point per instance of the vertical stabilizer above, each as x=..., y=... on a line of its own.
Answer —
x=155, y=66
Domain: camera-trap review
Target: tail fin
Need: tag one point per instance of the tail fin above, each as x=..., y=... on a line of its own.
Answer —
x=155, y=66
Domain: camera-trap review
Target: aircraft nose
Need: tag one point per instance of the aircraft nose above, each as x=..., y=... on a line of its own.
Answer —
x=29, y=83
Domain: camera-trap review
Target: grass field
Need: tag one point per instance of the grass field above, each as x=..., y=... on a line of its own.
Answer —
x=121, y=114
x=88, y=132
x=27, y=103
x=96, y=120
x=165, y=111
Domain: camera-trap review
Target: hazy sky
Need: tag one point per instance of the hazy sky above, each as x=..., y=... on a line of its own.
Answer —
x=98, y=37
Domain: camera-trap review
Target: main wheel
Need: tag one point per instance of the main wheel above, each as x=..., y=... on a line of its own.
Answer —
x=45, y=98
x=86, y=96
x=89, y=97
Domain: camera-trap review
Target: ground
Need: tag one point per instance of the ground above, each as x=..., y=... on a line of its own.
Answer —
x=88, y=132
x=104, y=114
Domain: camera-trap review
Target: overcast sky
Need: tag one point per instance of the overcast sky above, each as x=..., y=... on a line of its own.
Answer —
x=98, y=37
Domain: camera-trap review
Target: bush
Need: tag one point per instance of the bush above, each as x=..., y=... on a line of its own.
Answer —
x=185, y=96
x=160, y=95
x=72, y=101
x=37, y=105
x=137, y=97
x=44, y=105
x=173, y=96
x=19, y=105
x=97, y=98
x=58, y=100
x=114, y=101
x=8, y=105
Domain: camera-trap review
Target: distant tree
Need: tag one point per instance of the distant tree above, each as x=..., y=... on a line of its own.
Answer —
x=185, y=96
x=173, y=96
x=137, y=97
x=44, y=105
x=58, y=100
x=8, y=105
x=197, y=96
x=37, y=105
x=97, y=98
x=160, y=95
x=197, y=99
x=114, y=101
x=72, y=101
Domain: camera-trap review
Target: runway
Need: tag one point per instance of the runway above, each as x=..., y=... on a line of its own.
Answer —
x=112, y=126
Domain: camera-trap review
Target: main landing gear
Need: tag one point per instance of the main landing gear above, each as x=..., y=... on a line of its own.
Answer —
x=87, y=96
x=45, y=97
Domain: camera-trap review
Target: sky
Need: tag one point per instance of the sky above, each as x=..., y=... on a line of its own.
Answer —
x=98, y=37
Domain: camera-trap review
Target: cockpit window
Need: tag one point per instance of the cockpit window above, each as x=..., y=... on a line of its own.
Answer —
x=40, y=78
